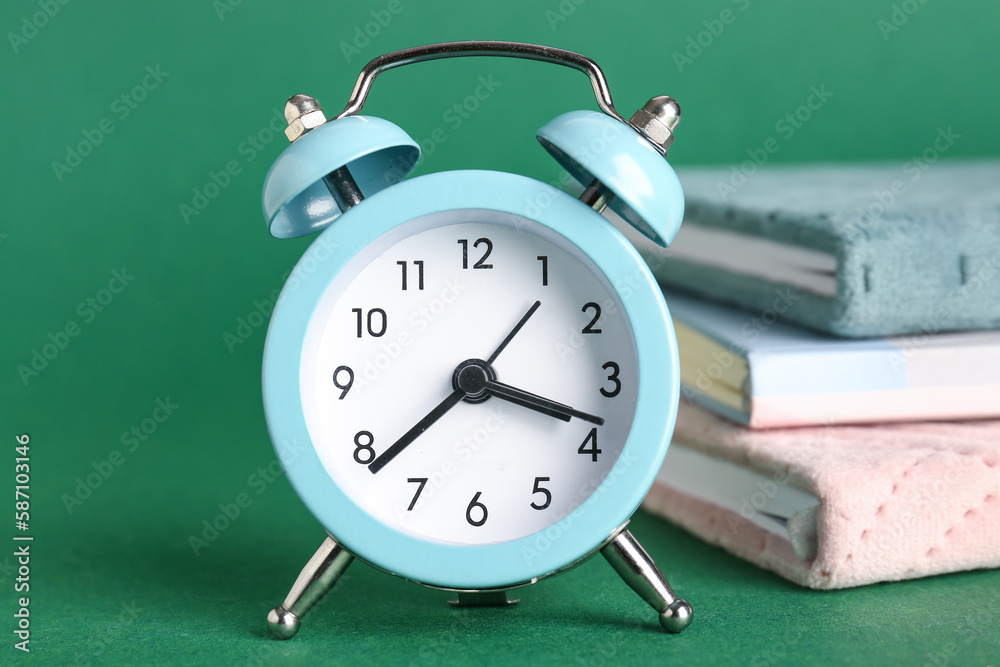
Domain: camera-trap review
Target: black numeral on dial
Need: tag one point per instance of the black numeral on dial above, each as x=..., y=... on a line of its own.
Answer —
x=421, y=481
x=419, y=263
x=376, y=322
x=589, y=329
x=613, y=370
x=345, y=387
x=481, y=264
x=364, y=453
x=474, y=504
x=592, y=450
x=538, y=488
x=544, y=259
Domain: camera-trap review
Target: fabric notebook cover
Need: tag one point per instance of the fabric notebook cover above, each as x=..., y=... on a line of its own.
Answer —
x=916, y=250
x=896, y=501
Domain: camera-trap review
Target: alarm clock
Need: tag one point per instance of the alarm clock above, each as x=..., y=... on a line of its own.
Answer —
x=478, y=369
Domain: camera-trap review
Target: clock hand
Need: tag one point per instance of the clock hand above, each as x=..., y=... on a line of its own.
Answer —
x=513, y=332
x=452, y=400
x=537, y=403
x=444, y=406
x=519, y=396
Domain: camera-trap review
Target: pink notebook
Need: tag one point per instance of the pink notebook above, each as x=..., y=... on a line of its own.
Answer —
x=839, y=506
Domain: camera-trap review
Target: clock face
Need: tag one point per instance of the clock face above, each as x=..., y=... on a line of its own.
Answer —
x=469, y=378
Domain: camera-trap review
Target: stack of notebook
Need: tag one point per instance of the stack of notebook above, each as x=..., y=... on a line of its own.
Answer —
x=839, y=336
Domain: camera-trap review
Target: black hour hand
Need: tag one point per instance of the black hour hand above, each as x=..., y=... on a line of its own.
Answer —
x=537, y=403
x=478, y=380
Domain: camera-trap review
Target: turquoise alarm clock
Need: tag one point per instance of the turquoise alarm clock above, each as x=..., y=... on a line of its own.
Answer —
x=479, y=368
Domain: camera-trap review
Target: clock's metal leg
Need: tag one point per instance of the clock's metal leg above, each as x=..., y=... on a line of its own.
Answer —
x=316, y=579
x=639, y=571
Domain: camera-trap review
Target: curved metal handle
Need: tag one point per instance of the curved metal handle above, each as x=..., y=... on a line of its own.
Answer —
x=480, y=48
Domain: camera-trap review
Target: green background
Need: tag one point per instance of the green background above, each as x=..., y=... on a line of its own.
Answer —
x=114, y=578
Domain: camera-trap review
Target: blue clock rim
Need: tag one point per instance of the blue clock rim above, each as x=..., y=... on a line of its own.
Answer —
x=582, y=530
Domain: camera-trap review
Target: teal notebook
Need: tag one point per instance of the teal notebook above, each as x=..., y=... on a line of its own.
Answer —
x=860, y=251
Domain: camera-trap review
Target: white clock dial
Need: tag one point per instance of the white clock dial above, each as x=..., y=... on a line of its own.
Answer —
x=381, y=354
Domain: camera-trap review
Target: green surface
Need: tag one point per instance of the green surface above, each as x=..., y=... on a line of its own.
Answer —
x=163, y=336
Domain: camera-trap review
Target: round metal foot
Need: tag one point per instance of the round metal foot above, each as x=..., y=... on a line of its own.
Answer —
x=677, y=616
x=282, y=623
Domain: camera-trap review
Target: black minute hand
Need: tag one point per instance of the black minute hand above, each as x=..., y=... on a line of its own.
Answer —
x=447, y=404
x=444, y=406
